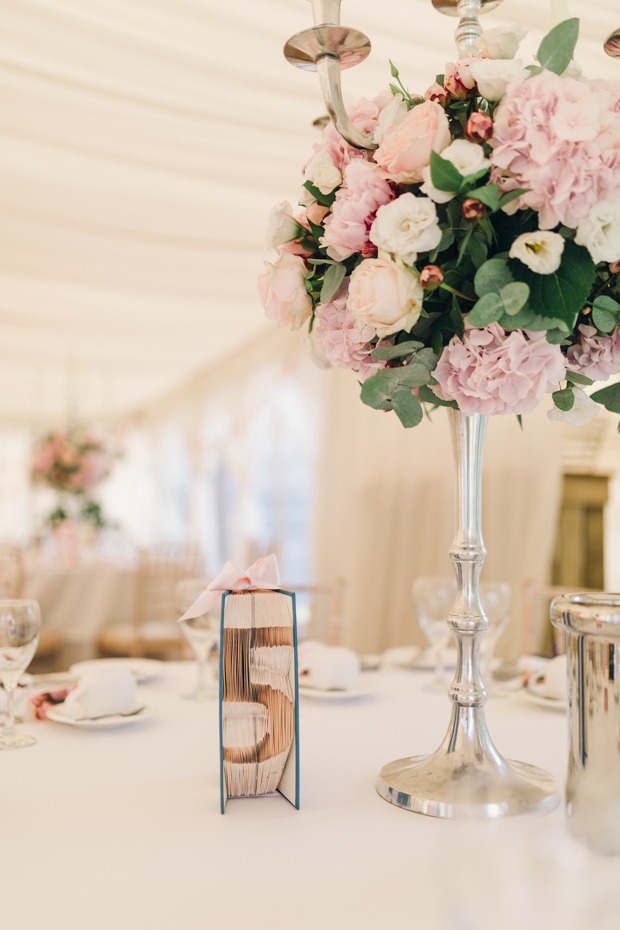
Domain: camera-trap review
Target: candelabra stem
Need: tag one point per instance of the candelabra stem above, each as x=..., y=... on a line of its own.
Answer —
x=469, y=30
x=467, y=776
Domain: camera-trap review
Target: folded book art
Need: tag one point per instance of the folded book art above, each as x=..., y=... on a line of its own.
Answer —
x=259, y=721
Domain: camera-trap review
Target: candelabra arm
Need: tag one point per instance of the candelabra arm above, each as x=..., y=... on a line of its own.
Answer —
x=328, y=67
x=469, y=30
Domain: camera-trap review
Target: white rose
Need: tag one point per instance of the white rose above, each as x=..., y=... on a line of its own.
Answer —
x=600, y=231
x=389, y=118
x=540, y=250
x=406, y=226
x=493, y=76
x=501, y=42
x=386, y=295
x=582, y=410
x=322, y=172
x=281, y=226
x=467, y=158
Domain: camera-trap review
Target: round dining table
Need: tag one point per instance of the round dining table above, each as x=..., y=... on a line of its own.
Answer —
x=121, y=829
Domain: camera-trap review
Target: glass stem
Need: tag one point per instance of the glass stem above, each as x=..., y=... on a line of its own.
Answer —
x=9, y=724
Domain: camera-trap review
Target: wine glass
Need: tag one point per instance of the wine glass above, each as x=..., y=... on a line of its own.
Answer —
x=20, y=628
x=433, y=599
x=202, y=633
x=495, y=600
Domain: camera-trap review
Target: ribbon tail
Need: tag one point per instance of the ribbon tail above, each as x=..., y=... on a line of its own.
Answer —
x=203, y=604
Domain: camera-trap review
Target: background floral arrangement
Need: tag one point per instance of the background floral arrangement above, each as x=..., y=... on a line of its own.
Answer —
x=472, y=259
x=72, y=463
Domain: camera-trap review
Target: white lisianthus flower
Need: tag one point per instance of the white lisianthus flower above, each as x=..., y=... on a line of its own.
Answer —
x=502, y=42
x=467, y=158
x=389, y=118
x=406, y=226
x=580, y=413
x=494, y=75
x=574, y=70
x=386, y=295
x=600, y=231
x=540, y=250
x=322, y=172
x=282, y=226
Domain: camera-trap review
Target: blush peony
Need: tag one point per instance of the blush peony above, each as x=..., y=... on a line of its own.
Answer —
x=386, y=295
x=406, y=150
x=347, y=227
x=345, y=341
x=493, y=372
x=283, y=292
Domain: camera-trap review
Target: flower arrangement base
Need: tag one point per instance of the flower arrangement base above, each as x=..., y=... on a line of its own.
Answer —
x=466, y=776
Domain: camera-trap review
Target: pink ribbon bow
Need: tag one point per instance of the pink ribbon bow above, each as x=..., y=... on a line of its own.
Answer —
x=264, y=573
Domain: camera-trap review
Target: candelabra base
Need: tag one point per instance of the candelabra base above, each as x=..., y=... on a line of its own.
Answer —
x=444, y=786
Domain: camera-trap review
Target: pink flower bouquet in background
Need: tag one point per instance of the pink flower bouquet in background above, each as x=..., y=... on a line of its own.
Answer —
x=471, y=259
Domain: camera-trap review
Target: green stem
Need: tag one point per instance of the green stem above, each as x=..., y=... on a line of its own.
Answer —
x=452, y=290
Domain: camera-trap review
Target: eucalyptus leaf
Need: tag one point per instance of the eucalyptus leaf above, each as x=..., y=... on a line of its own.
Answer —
x=607, y=303
x=557, y=49
x=514, y=296
x=488, y=310
x=444, y=175
x=564, y=399
x=603, y=319
x=577, y=378
x=384, y=353
x=556, y=337
x=427, y=357
x=429, y=397
x=520, y=320
x=410, y=376
x=492, y=277
x=375, y=394
x=407, y=408
x=609, y=397
x=332, y=281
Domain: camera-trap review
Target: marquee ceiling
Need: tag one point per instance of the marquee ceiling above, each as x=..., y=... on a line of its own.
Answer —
x=142, y=143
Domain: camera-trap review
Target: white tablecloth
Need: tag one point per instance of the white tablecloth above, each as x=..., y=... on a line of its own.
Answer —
x=77, y=600
x=121, y=830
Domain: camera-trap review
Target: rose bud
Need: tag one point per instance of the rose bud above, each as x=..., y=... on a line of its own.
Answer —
x=316, y=213
x=473, y=209
x=614, y=267
x=437, y=94
x=479, y=127
x=431, y=277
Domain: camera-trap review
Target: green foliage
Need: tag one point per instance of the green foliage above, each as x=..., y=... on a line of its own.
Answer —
x=326, y=199
x=492, y=277
x=605, y=313
x=577, y=378
x=564, y=399
x=429, y=397
x=332, y=281
x=609, y=397
x=559, y=297
x=557, y=49
x=407, y=408
x=385, y=353
x=444, y=175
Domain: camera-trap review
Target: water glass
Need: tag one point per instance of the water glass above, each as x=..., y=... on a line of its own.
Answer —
x=495, y=600
x=433, y=599
x=20, y=628
x=202, y=634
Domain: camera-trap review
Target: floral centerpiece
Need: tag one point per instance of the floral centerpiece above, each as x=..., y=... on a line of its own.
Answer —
x=471, y=260
x=72, y=463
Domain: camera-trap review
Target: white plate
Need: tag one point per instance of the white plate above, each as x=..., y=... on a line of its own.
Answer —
x=419, y=658
x=103, y=723
x=142, y=669
x=534, y=692
x=319, y=695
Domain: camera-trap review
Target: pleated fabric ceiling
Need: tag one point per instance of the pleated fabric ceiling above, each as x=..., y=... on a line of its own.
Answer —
x=142, y=144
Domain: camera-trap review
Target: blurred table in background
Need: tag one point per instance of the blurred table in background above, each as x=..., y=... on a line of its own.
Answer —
x=78, y=600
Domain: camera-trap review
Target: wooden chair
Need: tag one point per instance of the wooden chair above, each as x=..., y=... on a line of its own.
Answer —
x=154, y=631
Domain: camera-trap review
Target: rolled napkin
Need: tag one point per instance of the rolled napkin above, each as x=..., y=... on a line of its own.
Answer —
x=555, y=685
x=102, y=693
x=328, y=668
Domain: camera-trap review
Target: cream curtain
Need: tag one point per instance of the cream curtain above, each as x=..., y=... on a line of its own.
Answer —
x=385, y=511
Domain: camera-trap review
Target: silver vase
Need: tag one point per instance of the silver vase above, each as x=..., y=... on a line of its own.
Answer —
x=466, y=776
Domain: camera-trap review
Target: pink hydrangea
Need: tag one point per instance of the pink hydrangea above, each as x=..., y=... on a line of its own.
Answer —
x=353, y=212
x=493, y=372
x=365, y=117
x=560, y=138
x=345, y=341
x=596, y=357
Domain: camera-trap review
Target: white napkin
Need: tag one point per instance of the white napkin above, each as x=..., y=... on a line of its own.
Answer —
x=555, y=685
x=102, y=693
x=328, y=668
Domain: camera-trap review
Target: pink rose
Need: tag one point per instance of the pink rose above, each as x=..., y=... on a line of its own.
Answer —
x=283, y=292
x=493, y=372
x=437, y=93
x=386, y=295
x=407, y=150
x=353, y=212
